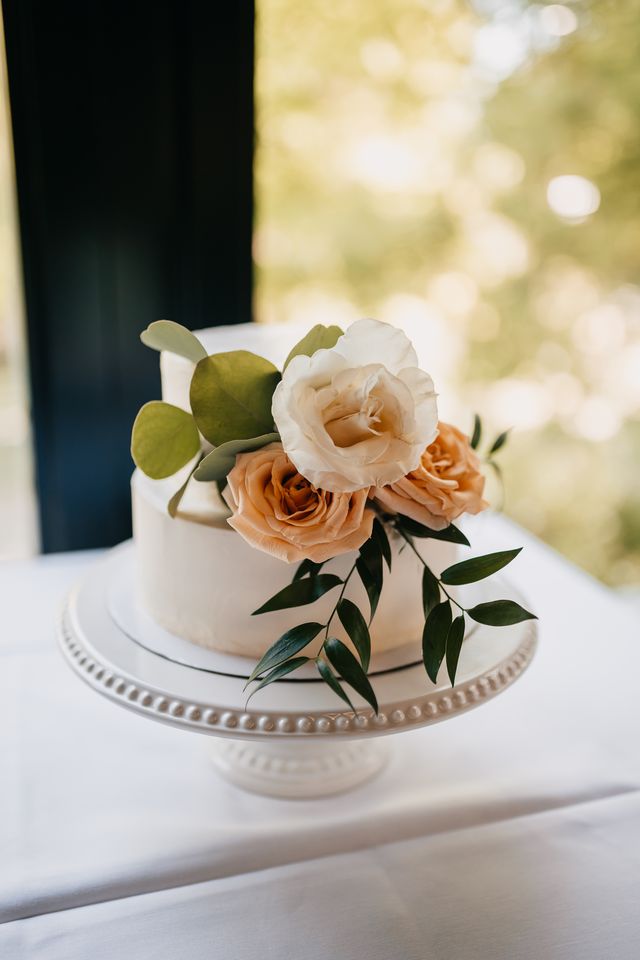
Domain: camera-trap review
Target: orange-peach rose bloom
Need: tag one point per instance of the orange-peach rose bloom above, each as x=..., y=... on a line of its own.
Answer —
x=446, y=484
x=276, y=510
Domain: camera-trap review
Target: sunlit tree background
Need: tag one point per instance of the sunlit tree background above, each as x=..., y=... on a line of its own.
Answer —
x=472, y=170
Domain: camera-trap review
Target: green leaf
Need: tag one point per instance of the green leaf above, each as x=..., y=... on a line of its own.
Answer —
x=231, y=396
x=477, y=568
x=167, y=335
x=500, y=613
x=290, y=643
x=330, y=679
x=477, y=431
x=350, y=670
x=280, y=671
x=369, y=567
x=174, y=502
x=221, y=460
x=450, y=534
x=318, y=338
x=454, y=645
x=381, y=538
x=308, y=567
x=434, y=638
x=356, y=626
x=164, y=438
x=300, y=592
x=499, y=442
x=430, y=591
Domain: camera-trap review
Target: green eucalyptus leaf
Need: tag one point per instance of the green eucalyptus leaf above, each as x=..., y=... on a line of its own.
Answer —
x=318, y=338
x=434, y=638
x=500, y=613
x=477, y=568
x=430, y=591
x=290, y=643
x=308, y=568
x=369, y=567
x=499, y=442
x=356, y=626
x=477, y=431
x=454, y=645
x=221, y=460
x=381, y=538
x=163, y=440
x=280, y=671
x=331, y=680
x=300, y=592
x=176, y=499
x=345, y=663
x=173, y=337
x=450, y=534
x=231, y=396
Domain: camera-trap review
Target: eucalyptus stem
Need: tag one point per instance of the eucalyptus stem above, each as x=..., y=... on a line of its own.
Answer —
x=424, y=563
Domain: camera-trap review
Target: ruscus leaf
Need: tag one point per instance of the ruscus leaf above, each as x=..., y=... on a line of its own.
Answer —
x=499, y=442
x=300, y=592
x=349, y=669
x=163, y=440
x=369, y=567
x=477, y=568
x=221, y=460
x=450, y=534
x=477, y=431
x=356, y=627
x=454, y=645
x=280, y=671
x=500, y=613
x=308, y=567
x=173, y=337
x=381, y=538
x=430, y=591
x=318, y=338
x=290, y=643
x=434, y=638
x=231, y=396
x=332, y=681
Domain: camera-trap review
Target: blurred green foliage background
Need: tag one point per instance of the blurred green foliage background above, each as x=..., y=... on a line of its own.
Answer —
x=471, y=171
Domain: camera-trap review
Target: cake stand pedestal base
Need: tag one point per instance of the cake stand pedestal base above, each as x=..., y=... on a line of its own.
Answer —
x=299, y=770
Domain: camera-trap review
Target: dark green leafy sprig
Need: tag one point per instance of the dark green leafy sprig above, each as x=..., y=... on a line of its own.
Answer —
x=443, y=635
x=307, y=586
x=489, y=459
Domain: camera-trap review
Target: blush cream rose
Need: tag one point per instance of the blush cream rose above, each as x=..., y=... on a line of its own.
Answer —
x=357, y=415
x=446, y=483
x=278, y=511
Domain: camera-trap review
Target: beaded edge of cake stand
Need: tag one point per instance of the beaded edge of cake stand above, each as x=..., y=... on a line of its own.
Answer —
x=205, y=718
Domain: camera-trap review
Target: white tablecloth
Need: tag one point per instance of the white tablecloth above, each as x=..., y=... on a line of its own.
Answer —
x=509, y=833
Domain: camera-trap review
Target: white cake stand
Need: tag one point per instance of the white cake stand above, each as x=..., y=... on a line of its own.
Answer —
x=292, y=739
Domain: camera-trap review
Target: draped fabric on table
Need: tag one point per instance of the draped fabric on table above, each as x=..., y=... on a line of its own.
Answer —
x=510, y=832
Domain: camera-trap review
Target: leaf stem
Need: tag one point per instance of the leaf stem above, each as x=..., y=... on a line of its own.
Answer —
x=340, y=596
x=407, y=538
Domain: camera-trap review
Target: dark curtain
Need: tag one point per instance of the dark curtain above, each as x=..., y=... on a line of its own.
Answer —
x=133, y=132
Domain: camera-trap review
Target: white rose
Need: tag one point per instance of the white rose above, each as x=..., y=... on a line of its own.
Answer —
x=358, y=415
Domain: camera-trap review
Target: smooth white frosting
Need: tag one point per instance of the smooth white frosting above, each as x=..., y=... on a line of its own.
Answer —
x=200, y=580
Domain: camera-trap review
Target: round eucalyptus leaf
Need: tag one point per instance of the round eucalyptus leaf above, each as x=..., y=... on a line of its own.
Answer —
x=173, y=337
x=231, y=396
x=318, y=338
x=217, y=464
x=164, y=439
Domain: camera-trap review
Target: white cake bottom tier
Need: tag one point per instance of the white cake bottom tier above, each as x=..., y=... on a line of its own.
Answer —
x=200, y=580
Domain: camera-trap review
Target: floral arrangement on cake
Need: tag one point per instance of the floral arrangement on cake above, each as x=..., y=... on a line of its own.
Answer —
x=340, y=452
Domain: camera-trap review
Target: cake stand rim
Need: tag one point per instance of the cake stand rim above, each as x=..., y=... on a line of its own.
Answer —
x=162, y=705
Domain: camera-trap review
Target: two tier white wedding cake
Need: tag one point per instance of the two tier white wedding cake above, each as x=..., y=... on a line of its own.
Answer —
x=295, y=500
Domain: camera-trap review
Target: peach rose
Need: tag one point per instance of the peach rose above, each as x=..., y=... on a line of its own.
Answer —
x=446, y=484
x=276, y=510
